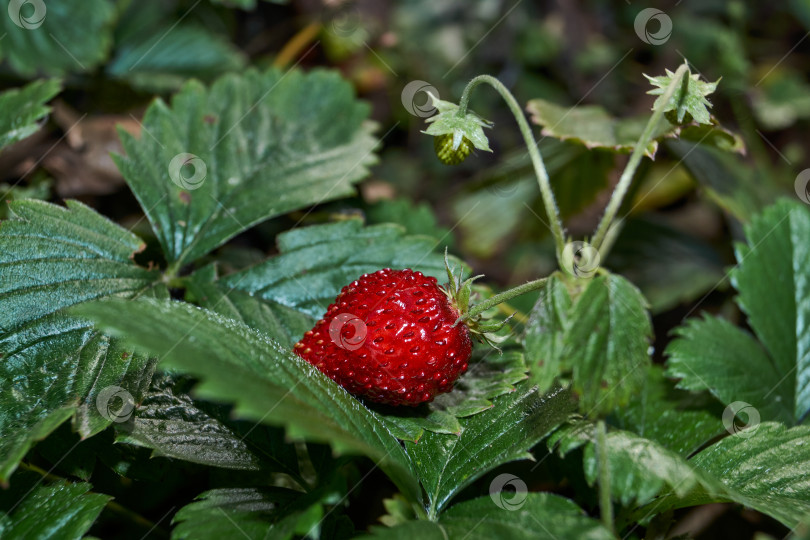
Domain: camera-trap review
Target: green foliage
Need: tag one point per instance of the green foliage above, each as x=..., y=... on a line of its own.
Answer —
x=258, y=145
x=418, y=219
x=316, y=262
x=449, y=122
x=170, y=350
x=58, y=510
x=767, y=471
x=56, y=366
x=592, y=126
x=688, y=103
x=447, y=463
x=545, y=333
x=265, y=381
x=601, y=339
x=677, y=420
x=45, y=38
x=284, y=324
x=540, y=516
x=21, y=110
x=641, y=469
x=193, y=52
x=713, y=354
x=173, y=425
x=255, y=512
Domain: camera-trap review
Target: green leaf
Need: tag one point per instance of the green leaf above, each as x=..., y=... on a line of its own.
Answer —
x=255, y=512
x=58, y=510
x=606, y=344
x=766, y=470
x=641, y=469
x=773, y=281
x=43, y=37
x=489, y=376
x=253, y=146
x=316, y=262
x=545, y=332
x=541, y=516
x=39, y=187
x=54, y=365
x=418, y=219
x=593, y=126
x=448, y=463
x=266, y=382
x=284, y=324
x=185, y=51
x=672, y=418
x=712, y=354
x=172, y=424
x=21, y=109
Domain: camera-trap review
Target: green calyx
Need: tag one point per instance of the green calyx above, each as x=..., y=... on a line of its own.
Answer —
x=456, y=131
x=688, y=103
x=459, y=291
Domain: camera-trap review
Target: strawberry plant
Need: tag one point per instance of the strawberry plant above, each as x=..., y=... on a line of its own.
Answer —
x=261, y=351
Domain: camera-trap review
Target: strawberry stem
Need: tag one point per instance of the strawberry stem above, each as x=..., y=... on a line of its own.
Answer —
x=537, y=160
x=632, y=164
x=605, y=502
x=502, y=297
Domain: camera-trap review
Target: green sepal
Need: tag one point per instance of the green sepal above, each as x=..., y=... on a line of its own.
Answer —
x=688, y=104
x=449, y=122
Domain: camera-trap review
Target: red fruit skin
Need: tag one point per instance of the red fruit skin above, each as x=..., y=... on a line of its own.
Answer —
x=392, y=339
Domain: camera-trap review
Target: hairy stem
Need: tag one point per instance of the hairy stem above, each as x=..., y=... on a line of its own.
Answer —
x=632, y=164
x=537, y=160
x=503, y=297
x=605, y=503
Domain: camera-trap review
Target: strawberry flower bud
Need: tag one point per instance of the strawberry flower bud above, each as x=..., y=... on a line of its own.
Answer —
x=456, y=132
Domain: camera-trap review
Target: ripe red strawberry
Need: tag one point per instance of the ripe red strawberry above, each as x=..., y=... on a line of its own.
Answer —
x=390, y=337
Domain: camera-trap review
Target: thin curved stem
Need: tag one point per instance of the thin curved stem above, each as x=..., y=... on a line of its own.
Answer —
x=632, y=164
x=499, y=298
x=537, y=160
